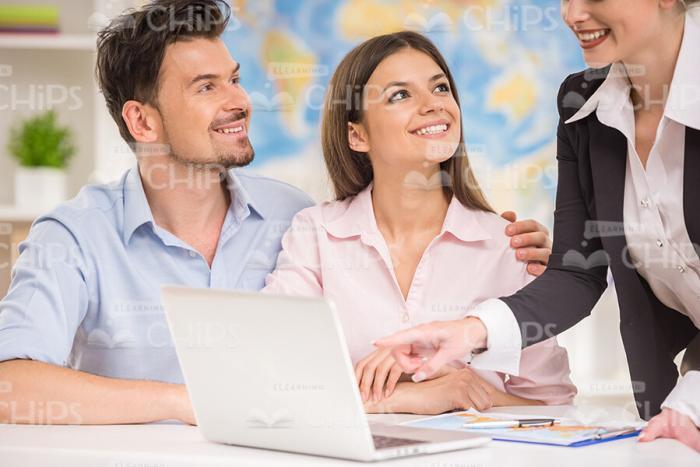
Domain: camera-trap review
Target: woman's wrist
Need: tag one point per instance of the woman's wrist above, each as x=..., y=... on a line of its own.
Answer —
x=502, y=399
x=476, y=332
x=391, y=404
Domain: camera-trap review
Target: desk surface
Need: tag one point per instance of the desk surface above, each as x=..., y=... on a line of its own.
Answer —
x=160, y=445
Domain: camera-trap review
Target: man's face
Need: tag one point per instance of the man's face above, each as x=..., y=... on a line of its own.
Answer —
x=205, y=112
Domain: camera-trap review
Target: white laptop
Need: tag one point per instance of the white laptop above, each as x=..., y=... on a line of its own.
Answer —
x=274, y=372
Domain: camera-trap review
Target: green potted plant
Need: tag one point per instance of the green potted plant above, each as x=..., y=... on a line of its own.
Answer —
x=43, y=149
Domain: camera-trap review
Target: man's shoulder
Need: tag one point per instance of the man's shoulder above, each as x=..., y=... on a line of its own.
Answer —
x=96, y=206
x=275, y=197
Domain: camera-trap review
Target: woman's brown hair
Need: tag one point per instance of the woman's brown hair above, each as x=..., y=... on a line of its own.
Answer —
x=351, y=171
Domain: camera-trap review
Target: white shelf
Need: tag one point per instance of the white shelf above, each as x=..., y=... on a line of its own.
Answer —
x=9, y=213
x=85, y=42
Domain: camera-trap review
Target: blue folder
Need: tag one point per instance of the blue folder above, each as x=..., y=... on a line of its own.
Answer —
x=577, y=444
x=455, y=422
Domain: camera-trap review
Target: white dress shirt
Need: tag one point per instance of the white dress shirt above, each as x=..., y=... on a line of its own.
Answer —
x=657, y=238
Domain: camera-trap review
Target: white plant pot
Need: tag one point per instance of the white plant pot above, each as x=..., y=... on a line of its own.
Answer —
x=39, y=188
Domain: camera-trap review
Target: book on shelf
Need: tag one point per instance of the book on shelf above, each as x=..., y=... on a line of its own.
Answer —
x=34, y=19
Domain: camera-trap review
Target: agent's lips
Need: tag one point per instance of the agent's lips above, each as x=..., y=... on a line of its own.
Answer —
x=592, y=37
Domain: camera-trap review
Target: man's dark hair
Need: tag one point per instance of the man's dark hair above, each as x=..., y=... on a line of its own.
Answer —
x=131, y=48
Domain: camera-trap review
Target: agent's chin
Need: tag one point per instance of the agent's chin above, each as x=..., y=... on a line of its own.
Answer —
x=597, y=59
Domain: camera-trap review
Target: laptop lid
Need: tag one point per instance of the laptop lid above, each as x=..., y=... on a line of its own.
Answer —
x=268, y=371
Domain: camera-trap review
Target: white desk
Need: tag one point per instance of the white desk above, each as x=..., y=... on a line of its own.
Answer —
x=161, y=445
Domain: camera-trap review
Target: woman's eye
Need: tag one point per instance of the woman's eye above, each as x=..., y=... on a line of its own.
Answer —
x=236, y=80
x=399, y=96
x=206, y=87
x=442, y=87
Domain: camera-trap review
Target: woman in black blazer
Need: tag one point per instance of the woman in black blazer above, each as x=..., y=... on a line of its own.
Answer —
x=627, y=199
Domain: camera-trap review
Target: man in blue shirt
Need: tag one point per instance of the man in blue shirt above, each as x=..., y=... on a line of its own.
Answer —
x=83, y=337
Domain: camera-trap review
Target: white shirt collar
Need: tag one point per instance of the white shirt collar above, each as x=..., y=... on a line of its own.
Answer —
x=683, y=104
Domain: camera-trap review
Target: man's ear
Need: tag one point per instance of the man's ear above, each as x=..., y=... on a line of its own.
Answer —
x=357, y=137
x=142, y=120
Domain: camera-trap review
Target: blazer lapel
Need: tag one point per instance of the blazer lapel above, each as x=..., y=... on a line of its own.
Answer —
x=691, y=184
x=608, y=151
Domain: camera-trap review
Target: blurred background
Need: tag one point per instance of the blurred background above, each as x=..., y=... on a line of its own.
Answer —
x=508, y=58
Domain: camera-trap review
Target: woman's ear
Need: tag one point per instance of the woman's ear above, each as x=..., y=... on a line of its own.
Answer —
x=357, y=137
x=142, y=121
x=672, y=4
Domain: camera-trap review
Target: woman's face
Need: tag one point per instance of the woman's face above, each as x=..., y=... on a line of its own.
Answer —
x=609, y=31
x=410, y=118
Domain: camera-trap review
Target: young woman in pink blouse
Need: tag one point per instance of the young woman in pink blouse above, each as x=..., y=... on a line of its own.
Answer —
x=410, y=238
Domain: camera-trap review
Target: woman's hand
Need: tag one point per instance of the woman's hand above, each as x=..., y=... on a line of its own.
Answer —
x=531, y=242
x=426, y=348
x=374, y=372
x=378, y=373
x=672, y=424
x=457, y=390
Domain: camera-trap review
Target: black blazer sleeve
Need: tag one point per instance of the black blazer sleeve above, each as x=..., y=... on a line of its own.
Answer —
x=576, y=275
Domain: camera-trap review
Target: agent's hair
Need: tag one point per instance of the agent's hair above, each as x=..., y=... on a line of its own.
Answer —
x=351, y=171
x=131, y=48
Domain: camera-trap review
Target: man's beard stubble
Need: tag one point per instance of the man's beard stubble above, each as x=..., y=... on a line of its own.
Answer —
x=224, y=160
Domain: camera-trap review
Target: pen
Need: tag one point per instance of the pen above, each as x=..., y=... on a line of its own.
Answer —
x=613, y=434
x=536, y=422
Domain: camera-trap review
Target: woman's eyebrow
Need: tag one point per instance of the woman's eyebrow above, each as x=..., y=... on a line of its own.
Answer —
x=405, y=83
x=395, y=83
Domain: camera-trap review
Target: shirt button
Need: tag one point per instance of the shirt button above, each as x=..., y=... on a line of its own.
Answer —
x=681, y=269
x=404, y=318
x=644, y=203
x=659, y=243
x=192, y=254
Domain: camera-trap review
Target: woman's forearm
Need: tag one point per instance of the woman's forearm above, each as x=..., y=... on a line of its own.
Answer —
x=503, y=399
x=438, y=396
x=402, y=400
x=431, y=397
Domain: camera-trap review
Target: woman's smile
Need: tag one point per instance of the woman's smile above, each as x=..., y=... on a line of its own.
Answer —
x=592, y=38
x=432, y=130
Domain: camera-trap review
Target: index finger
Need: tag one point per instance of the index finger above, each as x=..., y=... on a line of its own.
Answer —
x=407, y=363
x=405, y=337
x=430, y=367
